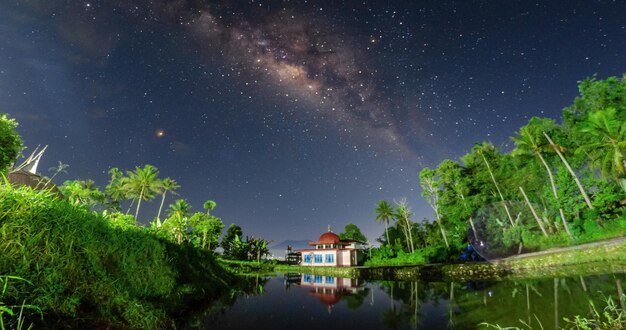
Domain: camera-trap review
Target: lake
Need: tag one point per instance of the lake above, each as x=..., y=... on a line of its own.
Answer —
x=303, y=301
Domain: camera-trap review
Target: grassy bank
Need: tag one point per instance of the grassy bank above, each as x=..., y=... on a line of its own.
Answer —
x=83, y=267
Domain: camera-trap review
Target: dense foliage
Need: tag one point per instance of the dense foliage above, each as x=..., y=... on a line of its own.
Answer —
x=561, y=184
x=10, y=142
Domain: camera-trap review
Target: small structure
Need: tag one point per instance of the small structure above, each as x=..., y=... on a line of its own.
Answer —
x=330, y=250
x=26, y=174
x=292, y=257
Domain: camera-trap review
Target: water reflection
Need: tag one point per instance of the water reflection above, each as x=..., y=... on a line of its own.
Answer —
x=314, y=301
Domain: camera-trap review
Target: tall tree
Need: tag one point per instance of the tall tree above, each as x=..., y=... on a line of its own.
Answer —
x=209, y=206
x=144, y=184
x=60, y=168
x=403, y=216
x=115, y=191
x=167, y=185
x=430, y=190
x=529, y=141
x=607, y=142
x=384, y=212
x=558, y=149
x=177, y=222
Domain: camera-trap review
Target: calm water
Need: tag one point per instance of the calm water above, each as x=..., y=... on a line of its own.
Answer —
x=301, y=301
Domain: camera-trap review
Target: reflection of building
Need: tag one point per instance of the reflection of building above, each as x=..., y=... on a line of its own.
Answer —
x=330, y=250
x=329, y=289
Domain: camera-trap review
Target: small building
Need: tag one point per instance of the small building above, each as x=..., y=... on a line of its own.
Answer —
x=330, y=250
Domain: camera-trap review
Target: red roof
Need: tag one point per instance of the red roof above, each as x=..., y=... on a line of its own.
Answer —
x=329, y=238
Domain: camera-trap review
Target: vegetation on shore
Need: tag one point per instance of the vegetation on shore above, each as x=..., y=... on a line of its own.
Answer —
x=558, y=185
x=81, y=264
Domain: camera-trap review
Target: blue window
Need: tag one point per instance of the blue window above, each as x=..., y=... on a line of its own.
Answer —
x=330, y=258
x=330, y=280
x=318, y=279
x=318, y=258
x=306, y=278
x=307, y=258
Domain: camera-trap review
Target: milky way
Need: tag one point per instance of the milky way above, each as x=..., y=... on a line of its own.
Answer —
x=308, y=62
x=292, y=115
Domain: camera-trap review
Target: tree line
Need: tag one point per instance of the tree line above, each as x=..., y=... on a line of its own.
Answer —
x=560, y=184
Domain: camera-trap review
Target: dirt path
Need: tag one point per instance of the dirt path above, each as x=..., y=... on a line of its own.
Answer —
x=608, y=242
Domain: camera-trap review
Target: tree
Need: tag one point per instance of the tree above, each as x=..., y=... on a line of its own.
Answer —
x=143, y=184
x=177, y=222
x=430, y=190
x=529, y=141
x=60, y=168
x=209, y=205
x=557, y=148
x=207, y=229
x=607, y=142
x=352, y=232
x=403, y=216
x=168, y=185
x=115, y=190
x=230, y=242
x=82, y=192
x=384, y=212
x=10, y=142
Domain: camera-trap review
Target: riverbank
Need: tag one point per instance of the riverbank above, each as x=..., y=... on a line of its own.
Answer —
x=80, y=266
x=586, y=259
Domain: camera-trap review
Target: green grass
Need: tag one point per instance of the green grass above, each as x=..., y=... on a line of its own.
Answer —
x=81, y=266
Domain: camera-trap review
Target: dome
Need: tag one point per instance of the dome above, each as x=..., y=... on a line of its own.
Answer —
x=329, y=238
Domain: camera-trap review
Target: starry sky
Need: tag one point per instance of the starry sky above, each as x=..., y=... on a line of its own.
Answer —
x=292, y=115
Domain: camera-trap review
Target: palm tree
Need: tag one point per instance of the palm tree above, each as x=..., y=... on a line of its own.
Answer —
x=384, y=213
x=60, y=168
x=607, y=142
x=144, y=184
x=115, y=190
x=557, y=148
x=168, y=185
x=209, y=205
x=528, y=142
x=430, y=190
x=177, y=221
x=404, y=214
x=481, y=151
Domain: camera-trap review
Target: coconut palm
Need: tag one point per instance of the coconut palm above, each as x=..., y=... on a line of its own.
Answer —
x=143, y=184
x=607, y=142
x=384, y=213
x=168, y=185
x=403, y=215
x=177, y=221
x=60, y=168
x=115, y=190
x=485, y=148
x=558, y=149
x=209, y=205
x=529, y=142
x=430, y=190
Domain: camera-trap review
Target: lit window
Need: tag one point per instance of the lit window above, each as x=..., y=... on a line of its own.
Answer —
x=330, y=258
x=318, y=258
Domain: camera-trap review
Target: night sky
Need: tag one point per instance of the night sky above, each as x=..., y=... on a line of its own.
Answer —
x=292, y=115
